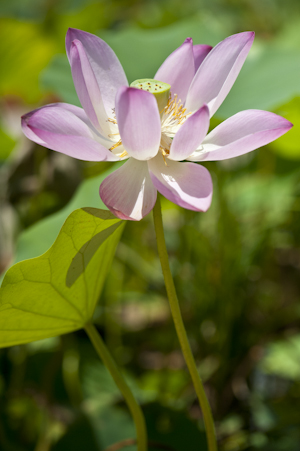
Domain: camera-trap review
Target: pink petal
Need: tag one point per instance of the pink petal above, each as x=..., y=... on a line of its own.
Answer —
x=105, y=65
x=190, y=135
x=62, y=128
x=87, y=87
x=218, y=72
x=79, y=112
x=188, y=185
x=139, y=122
x=128, y=192
x=241, y=133
x=178, y=69
x=200, y=52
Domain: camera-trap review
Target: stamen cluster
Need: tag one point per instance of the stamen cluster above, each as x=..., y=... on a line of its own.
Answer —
x=172, y=116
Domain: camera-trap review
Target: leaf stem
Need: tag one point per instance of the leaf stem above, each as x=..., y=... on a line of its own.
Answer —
x=132, y=404
x=180, y=329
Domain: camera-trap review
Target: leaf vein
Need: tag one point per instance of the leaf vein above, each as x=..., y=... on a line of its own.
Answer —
x=41, y=314
x=57, y=290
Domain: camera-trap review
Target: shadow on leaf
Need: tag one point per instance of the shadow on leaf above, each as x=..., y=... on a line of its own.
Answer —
x=87, y=251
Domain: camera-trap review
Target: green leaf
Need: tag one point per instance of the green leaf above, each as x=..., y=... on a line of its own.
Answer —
x=57, y=292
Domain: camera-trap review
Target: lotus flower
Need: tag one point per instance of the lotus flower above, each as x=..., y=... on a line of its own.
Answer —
x=121, y=122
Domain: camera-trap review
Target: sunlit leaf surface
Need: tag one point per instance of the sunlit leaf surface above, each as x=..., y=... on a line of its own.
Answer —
x=57, y=292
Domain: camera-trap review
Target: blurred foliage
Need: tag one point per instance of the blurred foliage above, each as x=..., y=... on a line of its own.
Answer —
x=236, y=267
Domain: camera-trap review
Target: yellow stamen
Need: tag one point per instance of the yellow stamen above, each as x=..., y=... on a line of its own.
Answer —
x=119, y=143
x=174, y=111
x=165, y=152
x=164, y=159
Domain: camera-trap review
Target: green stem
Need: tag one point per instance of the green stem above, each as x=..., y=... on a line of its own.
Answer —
x=110, y=364
x=180, y=329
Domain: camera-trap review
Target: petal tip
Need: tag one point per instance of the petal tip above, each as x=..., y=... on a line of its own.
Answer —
x=243, y=38
x=249, y=35
x=75, y=44
x=25, y=119
x=131, y=90
x=288, y=125
x=206, y=206
x=282, y=122
x=205, y=108
x=123, y=90
x=71, y=32
x=118, y=213
x=70, y=36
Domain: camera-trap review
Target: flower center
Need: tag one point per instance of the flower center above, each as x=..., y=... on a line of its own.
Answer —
x=172, y=114
x=160, y=90
x=172, y=117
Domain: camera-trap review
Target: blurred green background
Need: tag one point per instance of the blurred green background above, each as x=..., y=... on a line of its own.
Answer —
x=236, y=267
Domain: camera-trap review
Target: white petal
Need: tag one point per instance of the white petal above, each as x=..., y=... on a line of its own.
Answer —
x=188, y=185
x=190, y=135
x=129, y=192
x=139, y=122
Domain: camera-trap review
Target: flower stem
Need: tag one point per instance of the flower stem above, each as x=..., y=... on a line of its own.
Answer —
x=132, y=404
x=180, y=329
